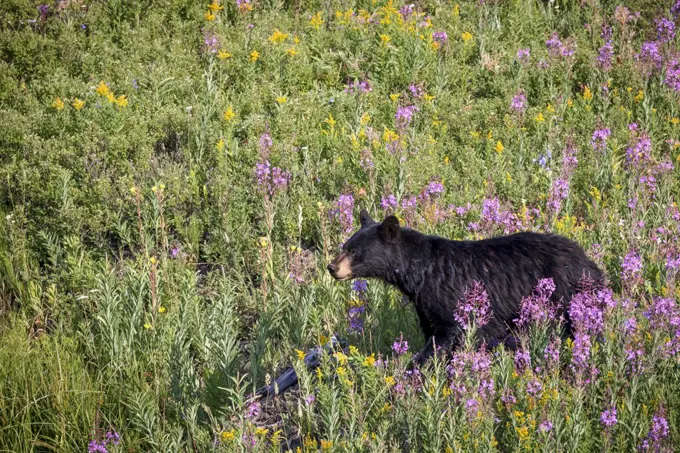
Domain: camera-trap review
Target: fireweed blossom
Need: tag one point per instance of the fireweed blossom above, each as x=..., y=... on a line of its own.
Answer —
x=265, y=144
x=440, y=37
x=631, y=269
x=400, y=346
x=599, y=139
x=389, y=203
x=475, y=307
x=253, y=410
x=672, y=78
x=640, y=153
x=538, y=308
x=343, y=212
x=417, y=90
x=519, y=103
x=665, y=30
x=358, y=87
x=271, y=180
x=523, y=55
x=404, y=115
x=649, y=57
x=604, y=58
x=608, y=418
x=658, y=433
x=557, y=49
x=211, y=42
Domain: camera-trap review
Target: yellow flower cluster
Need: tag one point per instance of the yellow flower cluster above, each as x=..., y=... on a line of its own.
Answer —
x=104, y=90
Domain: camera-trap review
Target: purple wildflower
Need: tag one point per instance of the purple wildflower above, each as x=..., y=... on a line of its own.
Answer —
x=440, y=37
x=358, y=87
x=650, y=57
x=474, y=308
x=658, y=433
x=344, y=212
x=608, y=417
x=543, y=159
x=599, y=139
x=96, y=447
x=309, y=399
x=604, y=59
x=434, y=188
x=665, y=29
x=253, y=410
x=43, y=9
x=545, y=427
x=135, y=85
x=534, y=387
x=366, y=159
x=400, y=346
x=404, y=115
x=112, y=437
x=523, y=55
x=519, y=103
x=672, y=79
x=355, y=319
x=559, y=191
x=265, y=144
x=522, y=360
x=389, y=203
x=551, y=353
x=537, y=308
x=417, y=90
x=640, y=152
x=471, y=407
x=631, y=268
x=360, y=286
x=675, y=9
x=271, y=180
x=211, y=42
x=407, y=10
x=174, y=251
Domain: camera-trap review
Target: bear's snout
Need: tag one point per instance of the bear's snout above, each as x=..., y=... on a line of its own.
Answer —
x=340, y=268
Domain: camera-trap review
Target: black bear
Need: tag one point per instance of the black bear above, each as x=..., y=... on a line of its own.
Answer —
x=434, y=272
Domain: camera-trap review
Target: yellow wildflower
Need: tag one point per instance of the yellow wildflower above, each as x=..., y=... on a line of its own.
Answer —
x=78, y=104
x=316, y=21
x=291, y=52
x=278, y=36
x=640, y=96
x=475, y=134
x=223, y=55
x=675, y=121
x=296, y=40
x=570, y=103
x=228, y=435
x=550, y=108
x=102, y=89
x=434, y=45
x=489, y=135
x=319, y=374
x=161, y=309
x=384, y=39
x=326, y=444
x=147, y=325
x=281, y=99
x=340, y=357
x=220, y=145
x=456, y=10
x=539, y=118
x=263, y=242
x=276, y=437
x=365, y=118
x=122, y=101
x=254, y=55
x=394, y=96
x=353, y=350
x=466, y=36
x=209, y=16
x=229, y=114
x=499, y=147
x=111, y=97
x=330, y=120
x=215, y=6
x=389, y=380
x=587, y=94
x=260, y=431
x=58, y=104
x=369, y=361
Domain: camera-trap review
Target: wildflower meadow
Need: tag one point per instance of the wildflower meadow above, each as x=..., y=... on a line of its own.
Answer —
x=175, y=176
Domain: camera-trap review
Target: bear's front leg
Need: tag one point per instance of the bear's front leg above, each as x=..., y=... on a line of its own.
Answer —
x=445, y=339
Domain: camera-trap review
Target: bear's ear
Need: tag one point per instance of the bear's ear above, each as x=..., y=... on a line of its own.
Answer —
x=364, y=218
x=389, y=230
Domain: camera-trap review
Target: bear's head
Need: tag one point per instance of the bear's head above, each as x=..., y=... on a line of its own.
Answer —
x=370, y=252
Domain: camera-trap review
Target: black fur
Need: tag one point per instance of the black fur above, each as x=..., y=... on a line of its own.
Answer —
x=435, y=272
